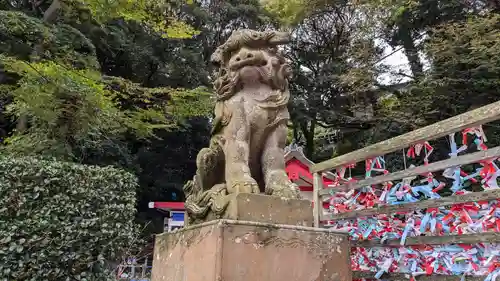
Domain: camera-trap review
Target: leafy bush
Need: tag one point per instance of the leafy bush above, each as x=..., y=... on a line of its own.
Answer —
x=63, y=221
x=20, y=34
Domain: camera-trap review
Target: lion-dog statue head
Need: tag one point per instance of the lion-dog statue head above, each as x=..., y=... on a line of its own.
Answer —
x=246, y=47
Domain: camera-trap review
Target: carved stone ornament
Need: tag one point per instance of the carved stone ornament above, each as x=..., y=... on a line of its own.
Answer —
x=246, y=152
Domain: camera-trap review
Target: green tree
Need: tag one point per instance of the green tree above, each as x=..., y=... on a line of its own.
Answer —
x=464, y=70
x=335, y=73
x=463, y=75
x=154, y=15
x=410, y=21
x=61, y=63
x=292, y=12
x=216, y=20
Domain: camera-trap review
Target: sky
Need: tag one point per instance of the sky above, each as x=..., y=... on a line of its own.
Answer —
x=397, y=62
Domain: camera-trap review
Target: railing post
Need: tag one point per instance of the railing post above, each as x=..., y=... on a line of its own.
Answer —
x=318, y=206
x=144, y=266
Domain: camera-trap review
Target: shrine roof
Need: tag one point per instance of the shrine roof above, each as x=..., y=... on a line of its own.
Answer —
x=294, y=151
x=169, y=206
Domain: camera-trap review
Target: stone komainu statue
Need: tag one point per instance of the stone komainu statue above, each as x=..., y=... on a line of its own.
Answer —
x=250, y=126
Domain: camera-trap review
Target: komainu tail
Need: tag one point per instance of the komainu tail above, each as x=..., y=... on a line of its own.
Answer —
x=209, y=179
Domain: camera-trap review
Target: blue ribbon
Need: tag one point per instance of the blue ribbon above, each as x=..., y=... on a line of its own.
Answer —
x=409, y=225
x=457, y=182
x=423, y=223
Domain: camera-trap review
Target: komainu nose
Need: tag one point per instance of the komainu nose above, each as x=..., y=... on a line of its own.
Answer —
x=244, y=55
x=247, y=57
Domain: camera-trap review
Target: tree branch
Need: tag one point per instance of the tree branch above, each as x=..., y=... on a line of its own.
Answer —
x=51, y=14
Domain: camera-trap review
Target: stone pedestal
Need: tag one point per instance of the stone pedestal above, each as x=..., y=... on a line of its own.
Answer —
x=261, y=238
x=231, y=250
x=267, y=209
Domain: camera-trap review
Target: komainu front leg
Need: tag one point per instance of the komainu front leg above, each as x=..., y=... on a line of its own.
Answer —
x=273, y=166
x=237, y=152
x=238, y=176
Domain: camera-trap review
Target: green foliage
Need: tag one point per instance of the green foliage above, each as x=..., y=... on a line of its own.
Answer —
x=334, y=75
x=18, y=30
x=164, y=106
x=152, y=13
x=188, y=103
x=75, y=110
x=136, y=84
x=20, y=35
x=464, y=71
x=71, y=108
x=63, y=221
x=466, y=52
x=463, y=75
x=289, y=12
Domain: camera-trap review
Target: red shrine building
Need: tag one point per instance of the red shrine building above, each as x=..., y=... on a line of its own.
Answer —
x=297, y=168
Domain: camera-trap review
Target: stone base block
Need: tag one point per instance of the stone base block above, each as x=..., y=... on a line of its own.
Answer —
x=267, y=209
x=229, y=250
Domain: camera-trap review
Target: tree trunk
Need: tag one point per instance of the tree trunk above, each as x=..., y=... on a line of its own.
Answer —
x=51, y=14
x=295, y=131
x=307, y=129
x=411, y=53
x=494, y=5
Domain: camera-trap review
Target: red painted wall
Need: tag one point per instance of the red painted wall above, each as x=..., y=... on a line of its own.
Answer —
x=294, y=168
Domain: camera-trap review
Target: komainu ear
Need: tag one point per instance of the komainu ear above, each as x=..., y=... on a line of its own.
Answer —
x=216, y=58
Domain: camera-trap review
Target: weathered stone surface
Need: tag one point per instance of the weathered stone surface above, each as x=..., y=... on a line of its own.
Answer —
x=267, y=209
x=226, y=250
x=246, y=152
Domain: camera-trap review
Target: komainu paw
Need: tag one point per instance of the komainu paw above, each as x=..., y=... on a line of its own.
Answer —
x=247, y=185
x=286, y=191
x=279, y=185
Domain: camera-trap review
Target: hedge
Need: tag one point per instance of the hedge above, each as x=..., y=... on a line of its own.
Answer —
x=63, y=221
